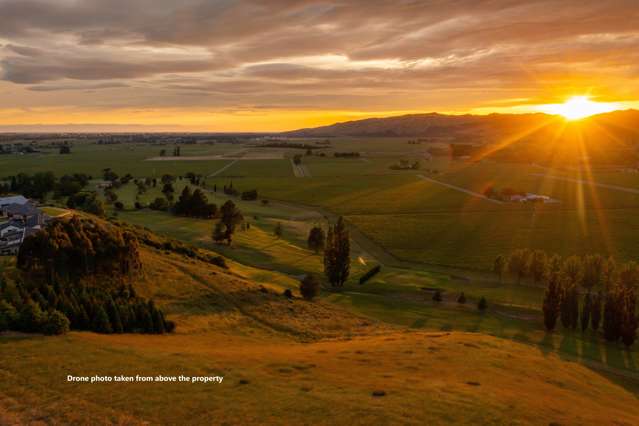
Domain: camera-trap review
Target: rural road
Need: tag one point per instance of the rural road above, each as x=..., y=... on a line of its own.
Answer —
x=589, y=182
x=217, y=172
x=460, y=189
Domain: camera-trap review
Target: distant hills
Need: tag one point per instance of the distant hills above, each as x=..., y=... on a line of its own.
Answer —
x=468, y=127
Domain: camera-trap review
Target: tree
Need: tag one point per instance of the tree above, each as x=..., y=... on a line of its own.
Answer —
x=8, y=316
x=572, y=269
x=183, y=204
x=538, y=265
x=56, y=323
x=593, y=270
x=613, y=316
x=499, y=267
x=309, y=286
x=316, y=239
x=462, y=298
x=31, y=318
x=571, y=273
x=101, y=322
x=595, y=313
x=613, y=298
x=518, y=263
x=552, y=300
x=168, y=191
x=586, y=311
x=159, y=204
x=278, y=231
x=110, y=196
x=628, y=281
x=482, y=305
x=219, y=233
x=337, y=254
x=231, y=217
x=65, y=149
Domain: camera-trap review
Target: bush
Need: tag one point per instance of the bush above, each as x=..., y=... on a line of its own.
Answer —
x=118, y=205
x=159, y=204
x=437, y=297
x=288, y=293
x=309, y=287
x=31, y=318
x=482, y=305
x=462, y=298
x=8, y=316
x=169, y=326
x=249, y=195
x=56, y=323
x=370, y=274
x=138, y=205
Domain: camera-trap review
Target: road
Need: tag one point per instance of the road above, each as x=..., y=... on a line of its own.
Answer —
x=460, y=189
x=217, y=172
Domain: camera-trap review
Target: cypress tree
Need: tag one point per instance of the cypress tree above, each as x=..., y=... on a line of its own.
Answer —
x=482, y=305
x=337, y=258
x=565, y=305
x=612, y=317
x=101, y=323
x=114, y=317
x=552, y=301
x=595, y=314
x=586, y=312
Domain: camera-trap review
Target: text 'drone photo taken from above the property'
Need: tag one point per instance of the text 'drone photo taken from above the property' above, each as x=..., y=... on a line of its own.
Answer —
x=319, y=212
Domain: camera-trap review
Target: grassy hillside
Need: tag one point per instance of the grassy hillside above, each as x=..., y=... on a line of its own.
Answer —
x=292, y=362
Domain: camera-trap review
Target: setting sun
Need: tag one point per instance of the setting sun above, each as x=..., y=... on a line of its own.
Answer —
x=578, y=107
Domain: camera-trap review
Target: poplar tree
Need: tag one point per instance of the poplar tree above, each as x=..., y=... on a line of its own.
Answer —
x=337, y=258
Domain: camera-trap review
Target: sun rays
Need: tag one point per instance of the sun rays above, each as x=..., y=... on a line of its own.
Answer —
x=578, y=107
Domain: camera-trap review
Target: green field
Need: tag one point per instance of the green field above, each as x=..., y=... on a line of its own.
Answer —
x=409, y=217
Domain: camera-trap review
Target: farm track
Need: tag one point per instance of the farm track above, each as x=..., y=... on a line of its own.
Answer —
x=217, y=172
x=460, y=189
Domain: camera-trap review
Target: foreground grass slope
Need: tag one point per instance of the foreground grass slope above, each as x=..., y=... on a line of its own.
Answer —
x=291, y=361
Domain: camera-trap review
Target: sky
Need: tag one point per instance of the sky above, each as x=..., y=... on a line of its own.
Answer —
x=269, y=65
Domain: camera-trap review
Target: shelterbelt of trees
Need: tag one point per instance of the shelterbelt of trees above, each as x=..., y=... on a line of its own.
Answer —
x=588, y=292
x=76, y=274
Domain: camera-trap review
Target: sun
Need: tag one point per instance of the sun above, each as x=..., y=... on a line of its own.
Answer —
x=578, y=107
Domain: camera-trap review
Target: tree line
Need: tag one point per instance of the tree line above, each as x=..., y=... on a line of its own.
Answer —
x=74, y=276
x=38, y=185
x=581, y=291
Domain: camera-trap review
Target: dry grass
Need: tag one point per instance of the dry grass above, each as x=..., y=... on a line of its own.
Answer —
x=291, y=362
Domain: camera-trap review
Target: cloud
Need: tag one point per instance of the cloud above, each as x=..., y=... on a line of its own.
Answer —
x=357, y=54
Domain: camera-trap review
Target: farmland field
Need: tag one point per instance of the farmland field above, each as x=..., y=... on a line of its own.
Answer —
x=410, y=217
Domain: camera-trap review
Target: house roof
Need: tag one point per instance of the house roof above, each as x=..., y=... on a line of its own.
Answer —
x=21, y=209
x=15, y=199
x=11, y=223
